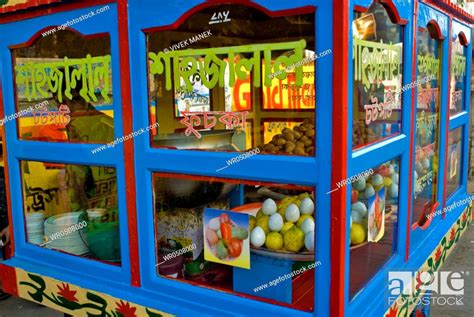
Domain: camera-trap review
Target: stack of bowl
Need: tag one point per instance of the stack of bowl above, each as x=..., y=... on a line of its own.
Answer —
x=71, y=240
x=35, y=227
x=96, y=214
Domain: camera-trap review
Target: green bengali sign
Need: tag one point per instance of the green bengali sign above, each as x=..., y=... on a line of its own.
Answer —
x=183, y=64
x=376, y=62
x=428, y=66
x=458, y=65
x=41, y=78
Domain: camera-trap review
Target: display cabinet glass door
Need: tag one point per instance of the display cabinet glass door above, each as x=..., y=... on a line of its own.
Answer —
x=427, y=127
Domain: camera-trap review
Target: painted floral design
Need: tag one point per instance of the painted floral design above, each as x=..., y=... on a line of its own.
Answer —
x=432, y=265
x=125, y=309
x=66, y=292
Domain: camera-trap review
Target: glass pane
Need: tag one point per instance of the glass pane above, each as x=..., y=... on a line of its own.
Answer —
x=237, y=236
x=72, y=209
x=374, y=222
x=377, y=54
x=458, y=76
x=209, y=81
x=63, y=88
x=427, y=126
x=454, y=161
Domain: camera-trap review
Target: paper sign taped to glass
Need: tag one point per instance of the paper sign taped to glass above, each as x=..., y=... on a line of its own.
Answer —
x=376, y=216
x=226, y=237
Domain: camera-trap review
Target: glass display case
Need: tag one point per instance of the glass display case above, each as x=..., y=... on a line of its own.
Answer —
x=238, y=158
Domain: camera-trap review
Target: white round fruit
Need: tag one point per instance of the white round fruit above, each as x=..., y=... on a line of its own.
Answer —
x=307, y=206
x=360, y=207
x=257, y=237
x=391, y=169
x=377, y=180
x=275, y=223
x=369, y=191
x=309, y=241
x=395, y=178
x=393, y=191
x=292, y=213
x=269, y=206
x=307, y=225
x=425, y=162
x=355, y=217
x=359, y=184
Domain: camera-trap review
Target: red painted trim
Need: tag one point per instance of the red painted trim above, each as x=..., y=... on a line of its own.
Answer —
x=412, y=132
x=213, y=3
x=438, y=34
x=361, y=9
x=451, y=10
x=9, y=280
x=41, y=11
x=129, y=156
x=463, y=39
x=393, y=12
x=341, y=12
x=7, y=177
x=445, y=180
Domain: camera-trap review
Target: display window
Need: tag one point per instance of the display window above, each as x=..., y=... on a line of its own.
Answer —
x=250, y=238
x=373, y=222
x=208, y=81
x=63, y=88
x=427, y=129
x=458, y=75
x=72, y=209
x=377, y=76
x=454, y=161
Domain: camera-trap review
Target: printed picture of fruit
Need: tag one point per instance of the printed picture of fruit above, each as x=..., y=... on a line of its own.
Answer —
x=376, y=216
x=226, y=238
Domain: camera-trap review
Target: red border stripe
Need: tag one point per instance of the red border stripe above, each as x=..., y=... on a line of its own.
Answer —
x=339, y=145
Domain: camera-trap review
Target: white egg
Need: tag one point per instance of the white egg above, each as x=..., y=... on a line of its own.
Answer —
x=292, y=213
x=309, y=241
x=269, y=206
x=307, y=225
x=355, y=217
x=395, y=178
x=257, y=237
x=377, y=180
x=393, y=192
x=369, y=191
x=360, y=207
x=307, y=206
x=275, y=223
x=359, y=184
x=391, y=169
x=214, y=224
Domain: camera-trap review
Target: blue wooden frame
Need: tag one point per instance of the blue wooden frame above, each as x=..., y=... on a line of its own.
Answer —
x=381, y=152
x=306, y=171
x=47, y=261
x=461, y=120
x=425, y=14
x=396, y=147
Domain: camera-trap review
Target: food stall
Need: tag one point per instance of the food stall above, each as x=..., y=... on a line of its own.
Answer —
x=233, y=158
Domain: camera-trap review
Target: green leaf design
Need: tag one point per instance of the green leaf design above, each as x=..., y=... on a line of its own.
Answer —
x=152, y=314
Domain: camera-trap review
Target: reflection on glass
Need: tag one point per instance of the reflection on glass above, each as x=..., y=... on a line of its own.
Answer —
x=458, y=76
x=206, y=92
x=454, y=161
x=63, y=85
x=377, y=45
x=72, y=209
x=374, y=221
x=200, y=239
x=427, y=126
